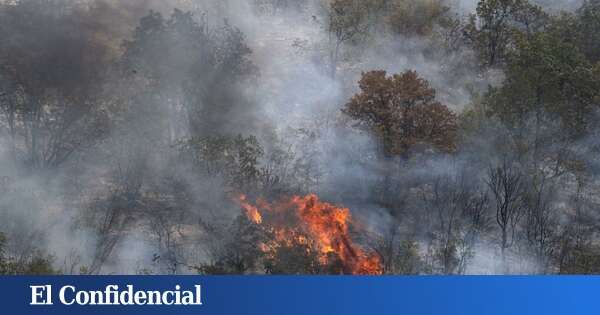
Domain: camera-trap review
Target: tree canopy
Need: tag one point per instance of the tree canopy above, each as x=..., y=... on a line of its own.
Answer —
x=402, y=112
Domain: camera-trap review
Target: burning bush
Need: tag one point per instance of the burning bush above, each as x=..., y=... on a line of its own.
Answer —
x=316, y=233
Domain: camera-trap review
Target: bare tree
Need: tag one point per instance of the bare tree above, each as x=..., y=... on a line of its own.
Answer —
x=540, y=221
x=459, y=217
x=507, y=187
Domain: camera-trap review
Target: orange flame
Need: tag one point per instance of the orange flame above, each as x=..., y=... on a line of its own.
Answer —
x=251, y=211
x=319, y=224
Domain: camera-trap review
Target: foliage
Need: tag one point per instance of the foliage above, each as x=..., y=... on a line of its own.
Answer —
x=402, y=111
x=184, y=63
x=52, y=71
x=236, y=159
x=293, y=259
x=582, y=260
x=547, y=74
x=418, y=18
x=492, y=30
x=239, y=252
x=34, y=264
x=586, y=31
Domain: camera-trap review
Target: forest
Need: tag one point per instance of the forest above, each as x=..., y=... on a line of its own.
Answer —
x=294, y=137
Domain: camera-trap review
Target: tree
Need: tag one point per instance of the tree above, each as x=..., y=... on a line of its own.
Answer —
x=506, y=185
x=547, y=75
x=52, y=78
x=540, y=220
x=3, y=262
x=457, y=210
x=588, y=29
x=577, y=251
x=274, y=6
x=237, y=250
x=109, y=218
x=347, y=20
x=294, y=258
x=491, y=30
x=418, y=18
x=402, y=112
x=188, y=71
x=399, y=253
x=235, y=159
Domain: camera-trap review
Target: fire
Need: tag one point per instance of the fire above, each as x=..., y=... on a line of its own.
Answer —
x=251, y=211
x=321, y=226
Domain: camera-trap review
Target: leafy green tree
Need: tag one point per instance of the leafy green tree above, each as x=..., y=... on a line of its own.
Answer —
x=547, y=75
x=588, y=30
x=492, y=29
x=418, y=18
x=236, y=159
